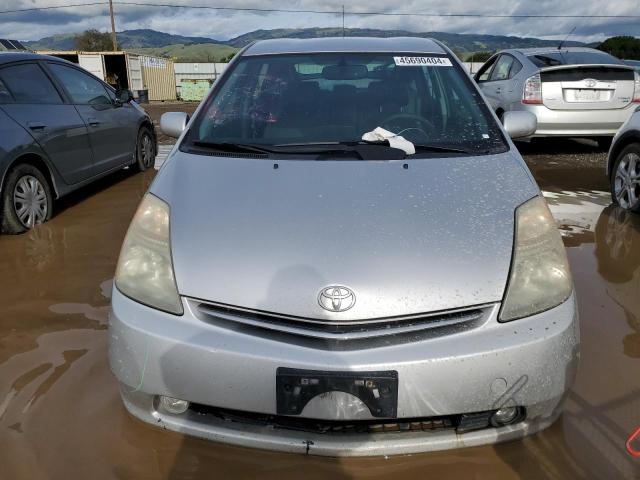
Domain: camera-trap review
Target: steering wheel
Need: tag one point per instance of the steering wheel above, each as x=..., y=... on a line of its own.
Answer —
x=411, y=120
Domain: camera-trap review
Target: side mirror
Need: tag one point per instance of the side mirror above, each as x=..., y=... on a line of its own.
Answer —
x=519, y=124
x=173, y=123
x=124, y=96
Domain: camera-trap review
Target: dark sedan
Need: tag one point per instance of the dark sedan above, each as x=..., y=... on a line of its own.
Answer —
x=61, y=128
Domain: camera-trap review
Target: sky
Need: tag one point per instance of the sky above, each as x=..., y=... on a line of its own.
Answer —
x=223, y=25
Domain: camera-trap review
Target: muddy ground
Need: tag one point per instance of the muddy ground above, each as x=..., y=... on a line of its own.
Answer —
x=60, y=411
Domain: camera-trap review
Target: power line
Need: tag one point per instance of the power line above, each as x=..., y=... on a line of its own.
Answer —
x=321, y=12
x=53, y=7
x=369, y=13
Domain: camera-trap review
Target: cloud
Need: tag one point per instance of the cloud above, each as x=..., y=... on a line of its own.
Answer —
x=227, y=24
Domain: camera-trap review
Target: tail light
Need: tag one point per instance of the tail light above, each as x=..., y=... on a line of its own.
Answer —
x=636, y=88
x=532, y=92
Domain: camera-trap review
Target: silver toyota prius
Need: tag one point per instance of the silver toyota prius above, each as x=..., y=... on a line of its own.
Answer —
x=574, y=91
x=343, y=255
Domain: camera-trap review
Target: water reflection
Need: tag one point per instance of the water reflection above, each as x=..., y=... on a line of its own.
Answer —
x=618, y=255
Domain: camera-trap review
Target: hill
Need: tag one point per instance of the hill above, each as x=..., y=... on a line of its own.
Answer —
x=462, y=42
x=199, y=52
x=202, y=48
x=128, y=39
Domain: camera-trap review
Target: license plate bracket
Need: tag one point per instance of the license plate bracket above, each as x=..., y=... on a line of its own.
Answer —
x=378, y=390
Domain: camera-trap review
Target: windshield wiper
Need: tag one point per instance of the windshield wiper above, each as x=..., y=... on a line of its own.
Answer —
x=282, y=149
x=329, y=147
x=419, y=147
x=319, y=148
x=439, y=148
x=232, y=147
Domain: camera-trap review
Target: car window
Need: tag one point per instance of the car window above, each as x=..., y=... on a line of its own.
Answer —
x=81, y=87
x=111, y=94
x=502, y=68
x=273, y=100
x=552, y=59
x=515, y=68
x=27, y=83
x=5, y=96
x=485, y=70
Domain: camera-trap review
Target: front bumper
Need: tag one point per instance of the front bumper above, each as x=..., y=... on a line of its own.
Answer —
x=578, y=123
x=529, y=362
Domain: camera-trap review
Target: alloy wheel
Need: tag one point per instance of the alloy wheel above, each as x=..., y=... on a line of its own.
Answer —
x=146, y=150
x=626, y=185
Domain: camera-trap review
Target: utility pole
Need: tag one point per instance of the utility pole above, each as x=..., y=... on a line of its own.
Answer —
x=113, y=27
x=343, y=21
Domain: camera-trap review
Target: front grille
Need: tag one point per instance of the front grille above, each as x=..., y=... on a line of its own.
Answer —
x=328, y=330
x=335, y=427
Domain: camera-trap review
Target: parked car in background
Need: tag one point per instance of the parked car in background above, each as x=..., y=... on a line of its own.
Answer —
x=61, y=128
x=623, y=166
x=574, y=92
x=301, y=278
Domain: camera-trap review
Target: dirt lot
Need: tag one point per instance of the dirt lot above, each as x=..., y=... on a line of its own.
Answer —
x=60, y=412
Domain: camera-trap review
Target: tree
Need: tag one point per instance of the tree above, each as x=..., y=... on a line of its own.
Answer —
x=228, y=58
x=93, y=41
x=624, y=47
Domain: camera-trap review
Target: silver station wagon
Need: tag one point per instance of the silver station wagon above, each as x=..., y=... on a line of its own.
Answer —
x=345, y=255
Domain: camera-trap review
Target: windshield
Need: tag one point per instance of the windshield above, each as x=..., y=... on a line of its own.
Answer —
x=552, y=59
x=277, y=100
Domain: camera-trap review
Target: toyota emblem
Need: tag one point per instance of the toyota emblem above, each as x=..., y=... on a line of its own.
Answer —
x=590, y=82
x=336, y=298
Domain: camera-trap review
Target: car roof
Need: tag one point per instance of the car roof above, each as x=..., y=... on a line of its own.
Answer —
x=8, y=57
x=345, y=44
x=552, y=49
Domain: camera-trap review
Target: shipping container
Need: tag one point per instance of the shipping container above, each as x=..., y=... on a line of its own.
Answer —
x=159, y=77
x=127, y=70
x=191, y=78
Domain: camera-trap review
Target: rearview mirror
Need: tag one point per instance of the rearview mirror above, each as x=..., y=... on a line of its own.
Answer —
x=173, y=123
x=344, y=72
x=519, y=124
x=124, y=95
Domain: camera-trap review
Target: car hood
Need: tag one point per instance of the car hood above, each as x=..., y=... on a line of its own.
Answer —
x=434, y=236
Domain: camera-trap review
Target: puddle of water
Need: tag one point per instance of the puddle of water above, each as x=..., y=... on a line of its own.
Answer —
x=61, y=416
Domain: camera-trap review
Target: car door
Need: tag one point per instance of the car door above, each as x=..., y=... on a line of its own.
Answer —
x=112, y=129
x=513, y=86
x=497, y=86
x=34, y=102
x=483, y=75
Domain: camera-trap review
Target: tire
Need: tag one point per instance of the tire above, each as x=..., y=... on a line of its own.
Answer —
x=604, y=143
x=625, y=178
x=145, y=150
x=26, y=186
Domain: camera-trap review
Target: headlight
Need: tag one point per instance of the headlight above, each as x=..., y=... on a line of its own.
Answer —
x=145, y=268
x=540, y=278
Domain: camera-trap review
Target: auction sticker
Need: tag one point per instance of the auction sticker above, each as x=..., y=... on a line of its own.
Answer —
x=422, y=61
